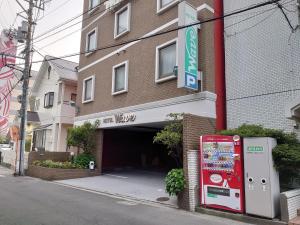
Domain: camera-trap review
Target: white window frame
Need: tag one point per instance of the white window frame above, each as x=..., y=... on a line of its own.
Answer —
x=95, y=8
x=87, y=41
x=161, y=9
x=173, y=76
x=113, y=92
x=92, y=91
x=116, y=35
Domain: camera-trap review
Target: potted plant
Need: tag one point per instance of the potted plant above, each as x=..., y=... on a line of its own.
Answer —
x=175, y=184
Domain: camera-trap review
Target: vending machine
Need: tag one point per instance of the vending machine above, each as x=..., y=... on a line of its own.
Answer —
x=221, y=173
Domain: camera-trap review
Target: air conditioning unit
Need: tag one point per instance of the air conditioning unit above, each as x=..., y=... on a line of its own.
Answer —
x=112, y=4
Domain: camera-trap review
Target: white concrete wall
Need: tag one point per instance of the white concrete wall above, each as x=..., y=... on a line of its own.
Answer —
x=47, y=115
x=9, y=157
x=262, y=56
x=62, y=113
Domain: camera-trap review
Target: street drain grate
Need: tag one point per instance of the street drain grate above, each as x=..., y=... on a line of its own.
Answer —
x=162, y=199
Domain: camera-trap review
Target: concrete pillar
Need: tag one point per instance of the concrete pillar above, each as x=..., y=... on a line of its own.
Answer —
x=193, y=128
x=193, y=178
x=58, y=144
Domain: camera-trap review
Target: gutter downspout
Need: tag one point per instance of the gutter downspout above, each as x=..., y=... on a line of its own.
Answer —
x=220, y=82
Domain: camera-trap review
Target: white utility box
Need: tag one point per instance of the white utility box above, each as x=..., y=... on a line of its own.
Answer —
x=262, y=190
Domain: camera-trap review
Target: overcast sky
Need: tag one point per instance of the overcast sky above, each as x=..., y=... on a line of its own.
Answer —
x=56, y=12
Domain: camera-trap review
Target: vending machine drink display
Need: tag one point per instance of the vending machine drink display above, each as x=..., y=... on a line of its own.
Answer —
x=221, y=172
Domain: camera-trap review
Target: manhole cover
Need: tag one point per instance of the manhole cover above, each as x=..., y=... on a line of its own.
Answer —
x=162, y=199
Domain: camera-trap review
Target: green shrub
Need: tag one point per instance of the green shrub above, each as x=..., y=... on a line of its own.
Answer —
x=171, y=137
x=83, y=137
x=52, y=164
x=286, y=154
x=83, y=160
x=259, y=131
x=175, y=182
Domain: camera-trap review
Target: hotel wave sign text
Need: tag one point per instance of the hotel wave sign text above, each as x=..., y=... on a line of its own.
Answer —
x=120, y=118
x=187, y=48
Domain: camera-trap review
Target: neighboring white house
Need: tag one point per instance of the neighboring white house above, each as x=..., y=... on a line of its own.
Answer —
x=53, y=92
x=262, y=65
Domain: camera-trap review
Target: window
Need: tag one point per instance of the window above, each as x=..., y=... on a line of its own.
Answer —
x=59, y=95
x=122, y=21
x=48, y=100
x=163, y=5
x=93, y=4
x=120, y=78
x=49, y=72
x=88, y=89
x=91, y=41
x=166, y=60
x=40, y=138
x=73, y=97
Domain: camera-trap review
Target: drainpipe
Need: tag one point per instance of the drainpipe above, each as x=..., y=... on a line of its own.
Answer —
x=220, y=82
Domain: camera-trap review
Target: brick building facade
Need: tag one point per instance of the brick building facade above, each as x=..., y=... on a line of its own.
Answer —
x=132, y=87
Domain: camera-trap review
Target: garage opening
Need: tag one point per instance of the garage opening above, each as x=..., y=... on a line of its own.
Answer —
x=133, y=166
x=133, y=148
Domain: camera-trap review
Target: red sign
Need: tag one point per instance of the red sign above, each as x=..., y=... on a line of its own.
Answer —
x=221, y=173
x=8, y=49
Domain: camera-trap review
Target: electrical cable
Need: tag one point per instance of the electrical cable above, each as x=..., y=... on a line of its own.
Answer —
x=66, y=22
x=71, y=19
x=59, y=66
x=255, y=25
x=166, y=31
x=286, y=17
x=69, y=34
x=264, y=94
x=55, y=9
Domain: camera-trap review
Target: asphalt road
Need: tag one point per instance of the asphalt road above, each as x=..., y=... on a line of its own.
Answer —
x=28, y=201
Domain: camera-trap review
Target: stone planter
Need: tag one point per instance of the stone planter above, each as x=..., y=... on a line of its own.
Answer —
x=59, y=174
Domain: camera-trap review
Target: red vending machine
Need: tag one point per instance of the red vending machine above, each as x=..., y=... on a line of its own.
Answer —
x=221, y=172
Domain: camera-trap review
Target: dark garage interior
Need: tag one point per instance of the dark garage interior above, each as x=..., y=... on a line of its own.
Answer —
x=133, y=148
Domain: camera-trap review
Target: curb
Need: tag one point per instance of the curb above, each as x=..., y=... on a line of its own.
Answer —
x=118, y=196
x=239, y=217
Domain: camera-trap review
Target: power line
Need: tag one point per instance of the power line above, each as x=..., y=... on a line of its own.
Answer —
x=72, y=25
x=70, y=20
x=285, y=16
x=166, y=31
x=66, y=22
x=59, y=66
x=257, y=14
x=55, y=9
x=264, y=94
x=256, y=24
x=69, y=34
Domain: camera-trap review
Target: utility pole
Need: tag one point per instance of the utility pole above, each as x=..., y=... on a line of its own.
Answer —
x=26, y=73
